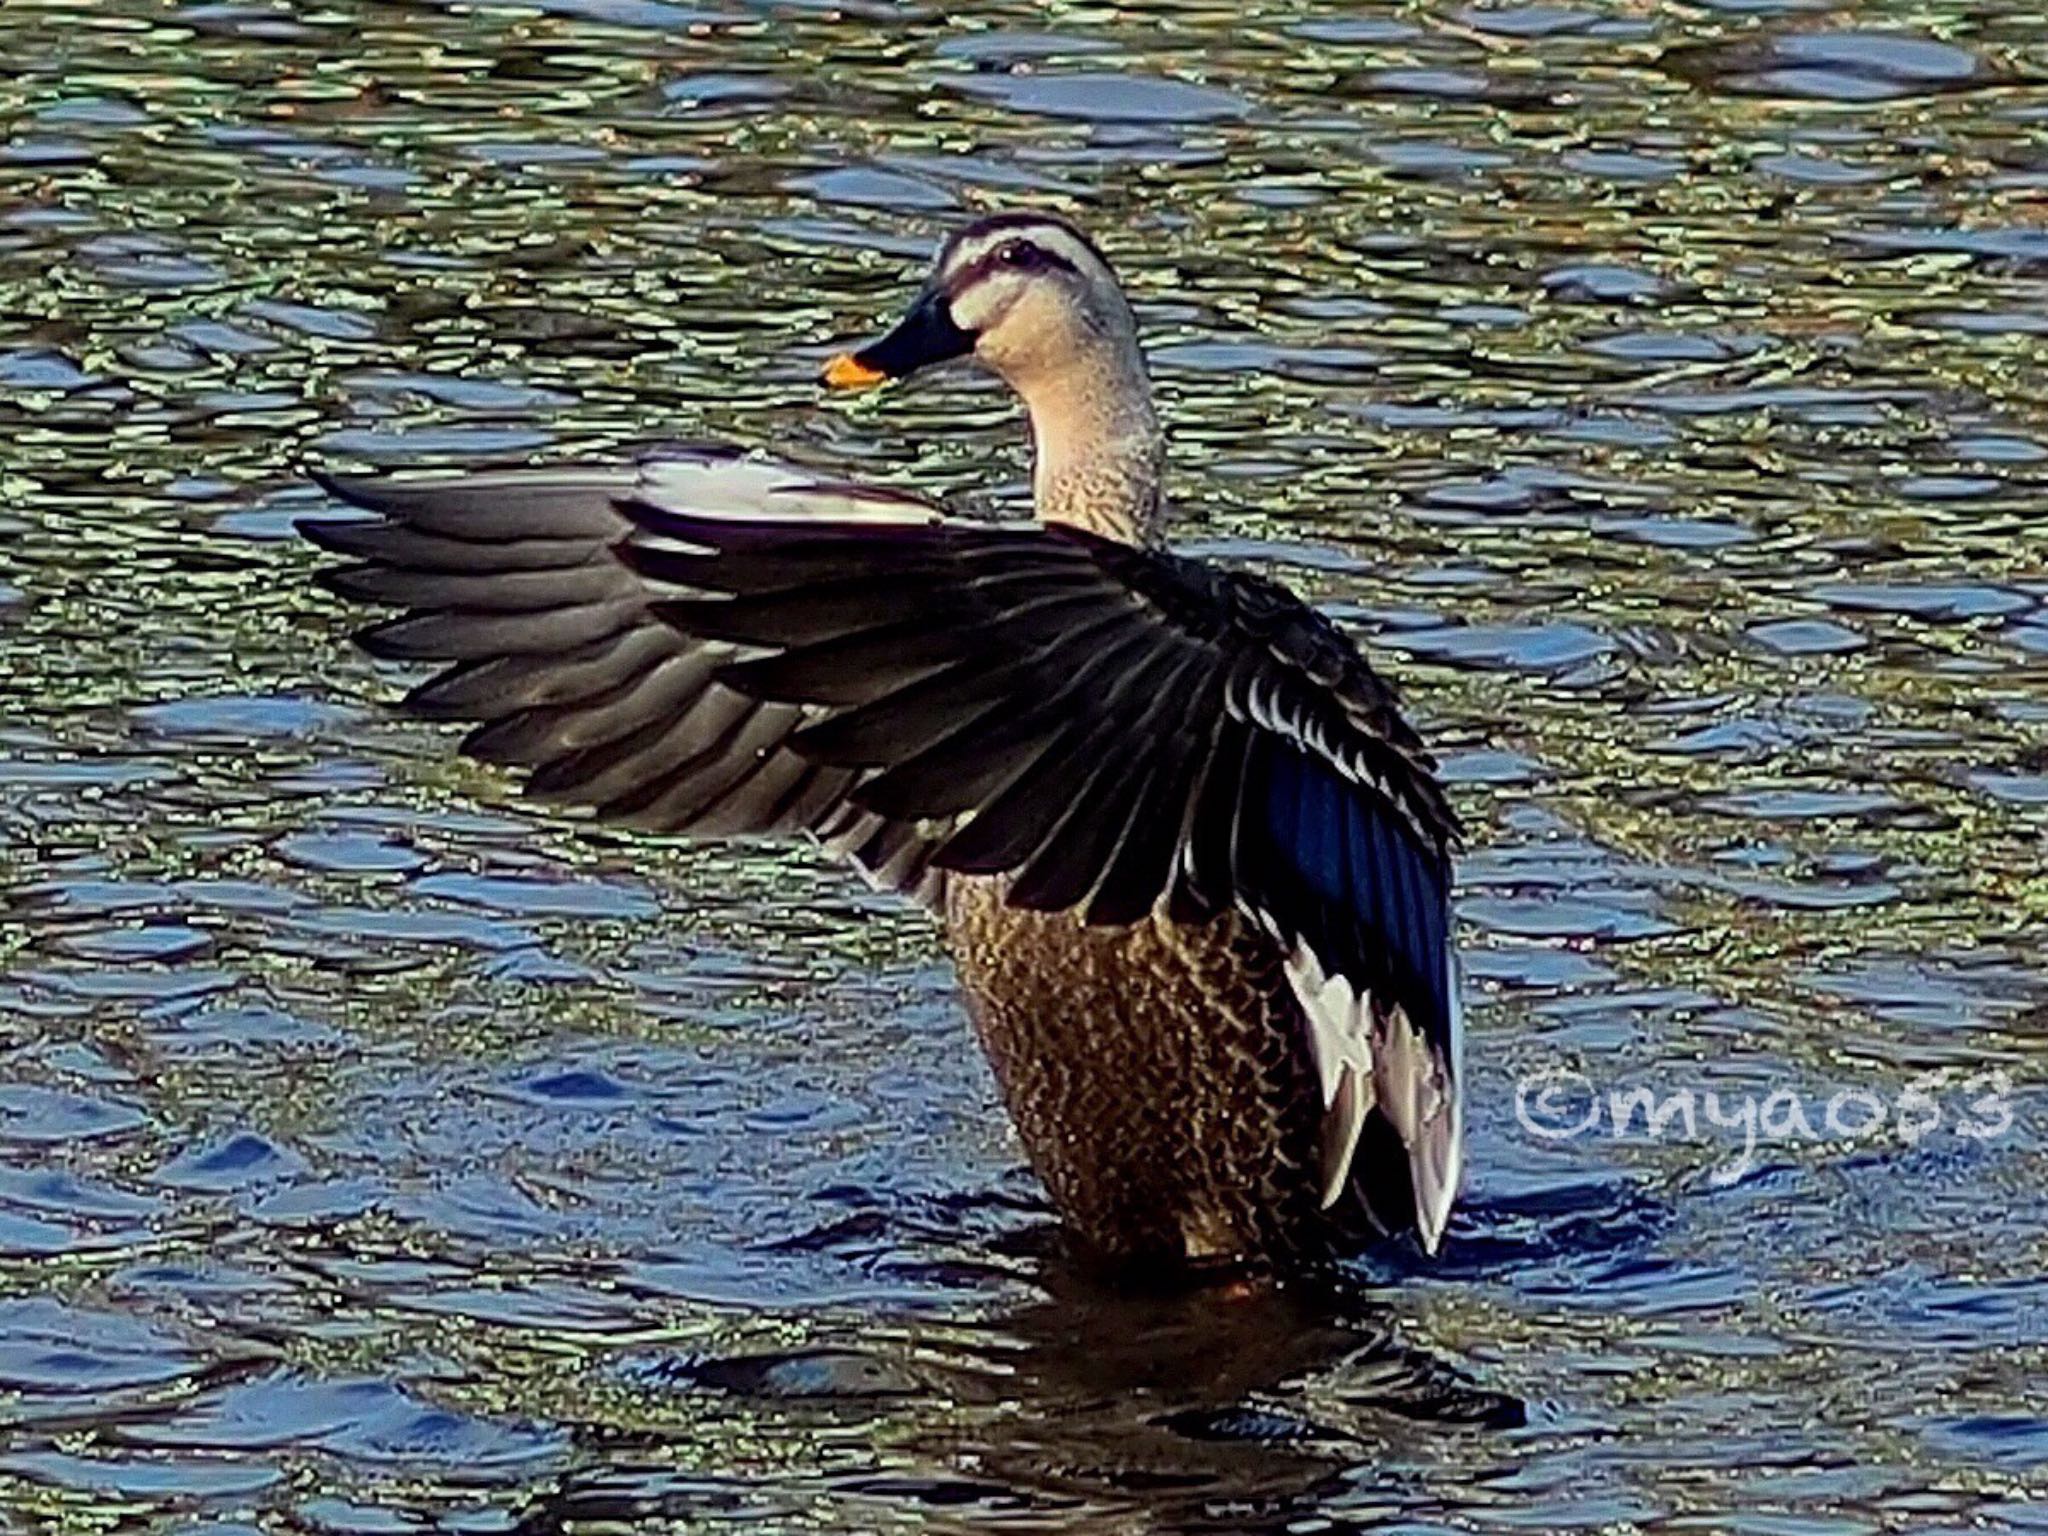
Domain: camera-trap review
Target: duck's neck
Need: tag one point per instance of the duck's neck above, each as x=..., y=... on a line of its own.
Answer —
x=1099, y=454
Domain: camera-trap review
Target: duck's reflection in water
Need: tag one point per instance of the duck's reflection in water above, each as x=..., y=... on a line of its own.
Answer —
x=1232, y=1407
x=1235, y=1397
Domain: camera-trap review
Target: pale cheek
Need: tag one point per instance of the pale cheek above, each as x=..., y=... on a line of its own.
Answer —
x=1029, y=329
x=980, y=307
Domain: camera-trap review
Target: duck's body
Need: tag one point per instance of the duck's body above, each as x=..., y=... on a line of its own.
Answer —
x=1160, y=1143
x=1192, y=865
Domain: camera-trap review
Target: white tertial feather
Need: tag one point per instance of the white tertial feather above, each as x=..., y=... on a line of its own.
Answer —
x=1437, y=1163
x=1368, y=1059
x=1340, y=1042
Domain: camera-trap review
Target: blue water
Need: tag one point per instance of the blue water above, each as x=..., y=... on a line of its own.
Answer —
x=1653, y=389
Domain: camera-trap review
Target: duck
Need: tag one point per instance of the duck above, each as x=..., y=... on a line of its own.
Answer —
x=1191, y=862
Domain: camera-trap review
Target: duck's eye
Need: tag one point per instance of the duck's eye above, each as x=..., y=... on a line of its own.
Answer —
x=1021, y=254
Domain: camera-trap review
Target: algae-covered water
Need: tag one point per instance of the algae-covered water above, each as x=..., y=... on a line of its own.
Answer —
x=1659, y=389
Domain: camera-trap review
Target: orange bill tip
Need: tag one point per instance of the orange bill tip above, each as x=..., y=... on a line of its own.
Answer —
x=848, y=372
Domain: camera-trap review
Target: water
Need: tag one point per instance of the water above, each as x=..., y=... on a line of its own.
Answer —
x=1658, y=389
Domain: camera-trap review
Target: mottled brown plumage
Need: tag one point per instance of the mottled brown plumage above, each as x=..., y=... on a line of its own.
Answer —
x=1169, y=1117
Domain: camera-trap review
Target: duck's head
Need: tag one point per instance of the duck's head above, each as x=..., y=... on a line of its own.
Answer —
x=1027, y=294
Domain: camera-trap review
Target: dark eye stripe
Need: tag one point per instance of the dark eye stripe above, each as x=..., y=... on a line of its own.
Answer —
x=994, y=261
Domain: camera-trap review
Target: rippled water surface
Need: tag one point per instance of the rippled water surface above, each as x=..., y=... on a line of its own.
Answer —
x=1660, y=389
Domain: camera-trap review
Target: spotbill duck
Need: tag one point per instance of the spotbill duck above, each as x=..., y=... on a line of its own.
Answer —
x=1193, y=865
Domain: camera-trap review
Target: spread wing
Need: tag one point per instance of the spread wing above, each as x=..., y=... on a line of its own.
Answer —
x=549, y=647
x=721, y=648
x=1121, y=730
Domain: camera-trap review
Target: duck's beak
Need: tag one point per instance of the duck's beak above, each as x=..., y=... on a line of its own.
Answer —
x=924, y=336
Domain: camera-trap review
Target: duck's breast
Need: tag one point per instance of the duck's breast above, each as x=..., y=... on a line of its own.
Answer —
x=1156, y=1074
